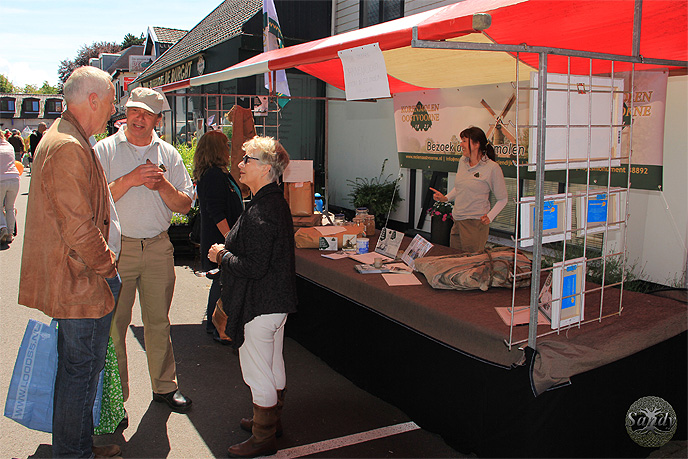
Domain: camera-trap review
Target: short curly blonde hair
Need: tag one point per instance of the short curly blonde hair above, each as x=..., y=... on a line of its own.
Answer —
x=269, y=151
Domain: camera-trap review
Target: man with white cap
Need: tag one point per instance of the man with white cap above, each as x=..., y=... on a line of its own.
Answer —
x=148, y=182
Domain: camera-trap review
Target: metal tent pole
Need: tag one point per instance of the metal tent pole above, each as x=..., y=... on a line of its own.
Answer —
x=539, y=199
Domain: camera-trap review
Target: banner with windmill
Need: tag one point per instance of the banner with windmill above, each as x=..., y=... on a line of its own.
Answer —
x=428, y=124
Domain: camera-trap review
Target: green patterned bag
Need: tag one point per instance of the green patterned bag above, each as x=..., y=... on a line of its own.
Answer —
x=112, y=405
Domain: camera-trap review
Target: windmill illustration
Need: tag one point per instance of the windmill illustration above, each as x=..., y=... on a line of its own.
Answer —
x=498, y=130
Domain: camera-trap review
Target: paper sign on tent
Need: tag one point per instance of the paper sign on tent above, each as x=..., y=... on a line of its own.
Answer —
x=365, y=72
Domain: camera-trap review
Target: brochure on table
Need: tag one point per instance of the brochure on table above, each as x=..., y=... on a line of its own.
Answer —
x=521, y=315
x=418, y=247
x=388, y=242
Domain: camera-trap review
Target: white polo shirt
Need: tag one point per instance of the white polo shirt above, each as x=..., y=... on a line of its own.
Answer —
x=142, y=211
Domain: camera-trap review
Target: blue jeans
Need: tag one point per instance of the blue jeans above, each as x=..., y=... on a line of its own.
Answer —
x=81, y=349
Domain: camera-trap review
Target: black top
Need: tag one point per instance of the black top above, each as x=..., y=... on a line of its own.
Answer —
x=34, y=139
x=259, y=274
x=218, y=200
x=17, y=143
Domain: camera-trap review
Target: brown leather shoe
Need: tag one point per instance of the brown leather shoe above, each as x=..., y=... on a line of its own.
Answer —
x=106, y=450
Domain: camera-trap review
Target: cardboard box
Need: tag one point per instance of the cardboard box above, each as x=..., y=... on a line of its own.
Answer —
x=312, y=220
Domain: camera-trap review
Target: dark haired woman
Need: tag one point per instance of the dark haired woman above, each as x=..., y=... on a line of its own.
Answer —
x=221, y=205
x=478, y=175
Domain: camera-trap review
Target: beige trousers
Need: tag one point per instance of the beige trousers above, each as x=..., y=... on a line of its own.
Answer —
x=469, y=236
x=147, y=266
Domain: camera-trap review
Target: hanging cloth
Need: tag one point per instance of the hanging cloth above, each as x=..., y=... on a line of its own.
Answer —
x=243, y=129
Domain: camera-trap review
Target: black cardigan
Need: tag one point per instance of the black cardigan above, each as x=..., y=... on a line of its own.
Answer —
x=259, y=274
x=218, y=201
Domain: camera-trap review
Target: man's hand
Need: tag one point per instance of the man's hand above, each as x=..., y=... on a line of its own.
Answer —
x=147, y=174
x=153, y=175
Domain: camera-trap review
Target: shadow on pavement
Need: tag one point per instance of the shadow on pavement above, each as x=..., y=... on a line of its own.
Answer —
x=43, y=452
x=209, y=374
x=150, y=437
x=320, y=404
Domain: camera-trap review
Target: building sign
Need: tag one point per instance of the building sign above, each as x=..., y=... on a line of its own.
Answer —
x=200, y=65
x=428, y=124
x=139, y=63
x=127, y=80
x=178, y=73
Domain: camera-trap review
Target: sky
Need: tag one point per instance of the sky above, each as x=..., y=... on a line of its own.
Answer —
x=37, y=35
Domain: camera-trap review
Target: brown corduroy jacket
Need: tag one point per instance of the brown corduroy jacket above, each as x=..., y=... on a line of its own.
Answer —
x=66, y=259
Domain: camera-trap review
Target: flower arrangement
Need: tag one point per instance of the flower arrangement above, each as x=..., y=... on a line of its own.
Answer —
x=441, y=209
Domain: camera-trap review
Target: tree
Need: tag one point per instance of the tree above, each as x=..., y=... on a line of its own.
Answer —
x=6, y=86
x=47, y=88
x=84, y=55
x=130, y=40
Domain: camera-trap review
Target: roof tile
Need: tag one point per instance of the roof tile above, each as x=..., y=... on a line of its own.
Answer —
x=223, y=23
x=167, y=35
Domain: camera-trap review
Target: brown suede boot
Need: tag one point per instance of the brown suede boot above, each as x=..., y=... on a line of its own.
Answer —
x=263, y=441
x=247, y=424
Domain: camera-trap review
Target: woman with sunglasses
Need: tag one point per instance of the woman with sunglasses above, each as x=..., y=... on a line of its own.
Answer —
x=259, y=290
x=220, y=202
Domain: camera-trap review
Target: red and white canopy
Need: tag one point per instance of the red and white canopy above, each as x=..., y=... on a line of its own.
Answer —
x=599, y=26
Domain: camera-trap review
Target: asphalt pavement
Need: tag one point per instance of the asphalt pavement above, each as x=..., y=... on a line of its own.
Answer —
x=325, y=415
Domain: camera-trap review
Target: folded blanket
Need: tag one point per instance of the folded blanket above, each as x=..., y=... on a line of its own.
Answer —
x=472, y=271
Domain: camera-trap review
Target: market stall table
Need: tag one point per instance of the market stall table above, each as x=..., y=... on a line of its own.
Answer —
x=441, y=356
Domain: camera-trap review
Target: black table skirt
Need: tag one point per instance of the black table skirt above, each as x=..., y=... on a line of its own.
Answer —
x=479, y=407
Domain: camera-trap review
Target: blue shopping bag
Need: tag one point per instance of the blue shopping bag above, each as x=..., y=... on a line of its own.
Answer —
x=30, y=397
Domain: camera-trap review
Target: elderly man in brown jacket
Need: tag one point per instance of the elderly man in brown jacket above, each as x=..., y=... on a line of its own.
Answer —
x=68, y=271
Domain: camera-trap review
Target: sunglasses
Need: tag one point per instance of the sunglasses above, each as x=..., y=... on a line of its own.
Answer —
x=246, y=158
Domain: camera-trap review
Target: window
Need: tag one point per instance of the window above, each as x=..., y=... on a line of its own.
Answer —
x=31, y=106
x=373, y=12
x=7, y=105
x=53, y=106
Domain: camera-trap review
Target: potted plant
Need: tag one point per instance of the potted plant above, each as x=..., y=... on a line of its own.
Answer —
x=181, y=225
x=441, y=222
x=380, y=196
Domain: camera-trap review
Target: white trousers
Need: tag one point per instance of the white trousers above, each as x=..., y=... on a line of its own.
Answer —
x=9, y=189
x=261, y=359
